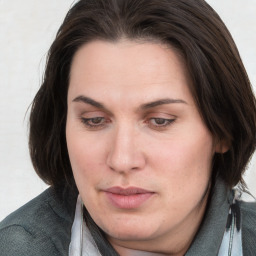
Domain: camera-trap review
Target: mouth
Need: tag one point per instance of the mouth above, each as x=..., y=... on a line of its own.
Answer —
x=127, y=198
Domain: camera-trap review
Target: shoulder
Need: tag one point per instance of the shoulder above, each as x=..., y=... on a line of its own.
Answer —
x=248, y=212
x=41, y=227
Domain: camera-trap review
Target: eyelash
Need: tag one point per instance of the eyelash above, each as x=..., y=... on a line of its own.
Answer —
x=102, y=122
x=88, y=122
x=167, y=122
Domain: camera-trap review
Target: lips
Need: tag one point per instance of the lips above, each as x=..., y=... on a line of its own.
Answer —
x=127, y=198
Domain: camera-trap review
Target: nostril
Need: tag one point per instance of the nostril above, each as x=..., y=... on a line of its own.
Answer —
x=126, y=164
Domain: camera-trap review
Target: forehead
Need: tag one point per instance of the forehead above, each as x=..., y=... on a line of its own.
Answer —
x=128, y=68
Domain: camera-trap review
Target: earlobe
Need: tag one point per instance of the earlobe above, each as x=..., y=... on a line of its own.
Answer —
x=222, y=147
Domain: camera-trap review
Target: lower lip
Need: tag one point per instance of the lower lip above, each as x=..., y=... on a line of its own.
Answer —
x=128, y=201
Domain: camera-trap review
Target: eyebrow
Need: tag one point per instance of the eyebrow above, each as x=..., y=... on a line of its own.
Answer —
x=161, y=102
x=145, y=106
x=90, y=101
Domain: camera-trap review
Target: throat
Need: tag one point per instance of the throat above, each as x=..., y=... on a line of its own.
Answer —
x=123, y=251
x=129, y=252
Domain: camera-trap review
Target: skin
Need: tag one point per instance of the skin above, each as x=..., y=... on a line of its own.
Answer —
x=116, y=138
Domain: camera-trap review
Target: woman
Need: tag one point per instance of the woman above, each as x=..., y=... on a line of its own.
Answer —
x=143, y=125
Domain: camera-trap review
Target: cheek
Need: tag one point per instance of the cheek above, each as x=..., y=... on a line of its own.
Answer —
x=87, y=155
x=81, y=160
x=84, y=161
x=185, y=160
x=82, y=149
x=185, y=167
x=87, y=169
x=77, y=150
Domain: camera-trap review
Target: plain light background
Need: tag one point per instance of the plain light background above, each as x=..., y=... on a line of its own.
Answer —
x=27, y=28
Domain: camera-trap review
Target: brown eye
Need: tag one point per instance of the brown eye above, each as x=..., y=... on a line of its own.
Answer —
x=160, y=123
x=94, y=122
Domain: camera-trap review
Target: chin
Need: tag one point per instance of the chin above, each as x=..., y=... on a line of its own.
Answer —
x=130, y=232
x=130, y=236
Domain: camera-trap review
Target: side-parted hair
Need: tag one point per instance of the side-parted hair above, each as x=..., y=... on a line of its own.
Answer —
x=220, y=85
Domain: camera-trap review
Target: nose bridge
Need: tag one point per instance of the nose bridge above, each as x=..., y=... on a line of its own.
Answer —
x=124, y=154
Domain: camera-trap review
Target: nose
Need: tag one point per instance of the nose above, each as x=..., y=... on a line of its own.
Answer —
x=125, y=153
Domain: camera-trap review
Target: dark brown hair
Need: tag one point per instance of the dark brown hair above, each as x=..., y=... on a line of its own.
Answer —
x=220, y=84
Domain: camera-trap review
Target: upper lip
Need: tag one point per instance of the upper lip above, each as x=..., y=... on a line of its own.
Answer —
x=127, y=191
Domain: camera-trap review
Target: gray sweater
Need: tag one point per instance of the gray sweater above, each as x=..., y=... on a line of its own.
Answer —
x=42, y=227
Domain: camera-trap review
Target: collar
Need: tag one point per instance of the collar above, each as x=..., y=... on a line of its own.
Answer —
x=210, y=234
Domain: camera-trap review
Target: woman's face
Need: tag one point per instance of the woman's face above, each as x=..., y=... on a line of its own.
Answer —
x=140, y=153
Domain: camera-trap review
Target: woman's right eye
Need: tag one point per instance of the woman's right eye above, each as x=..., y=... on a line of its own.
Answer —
x=93, y=122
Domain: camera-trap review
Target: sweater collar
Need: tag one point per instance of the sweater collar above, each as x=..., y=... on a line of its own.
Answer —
x=210, y=234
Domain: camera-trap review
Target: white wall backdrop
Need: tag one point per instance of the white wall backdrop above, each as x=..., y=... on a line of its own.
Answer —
x=27, y=29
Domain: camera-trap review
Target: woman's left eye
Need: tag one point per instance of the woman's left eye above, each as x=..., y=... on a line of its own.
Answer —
x=160, y=122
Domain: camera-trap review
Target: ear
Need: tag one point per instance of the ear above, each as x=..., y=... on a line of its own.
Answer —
x=222, y=146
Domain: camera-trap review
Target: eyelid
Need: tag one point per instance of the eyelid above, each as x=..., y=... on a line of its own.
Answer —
x=167, y=123
x=167, y=120
x=87, y=118
x=92, y=114
x=88, y=123
x=163, y=115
